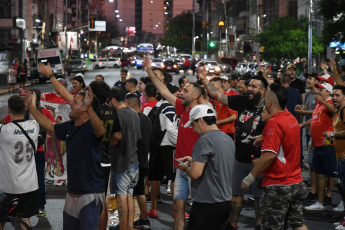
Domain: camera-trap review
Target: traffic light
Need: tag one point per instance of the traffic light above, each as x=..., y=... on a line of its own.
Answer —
x=182, y=37
x=221, y=24
x=262, y=49
x=203, y=24
x=108, y=35
x=212, y=44
x=92, y=23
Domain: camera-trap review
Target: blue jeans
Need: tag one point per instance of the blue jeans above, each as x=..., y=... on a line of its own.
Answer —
x=40, y=159
x=182, y=185
x=123, y=183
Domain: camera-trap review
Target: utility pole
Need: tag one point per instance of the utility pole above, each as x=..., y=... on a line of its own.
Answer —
x=193, y=32
x=66, y=24
x=310, y=37
x=226, y=30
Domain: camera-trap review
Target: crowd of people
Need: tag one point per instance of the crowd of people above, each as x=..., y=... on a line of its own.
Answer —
x=215, y=140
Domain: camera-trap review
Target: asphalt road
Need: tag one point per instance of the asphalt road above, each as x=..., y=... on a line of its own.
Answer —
x=316, y=220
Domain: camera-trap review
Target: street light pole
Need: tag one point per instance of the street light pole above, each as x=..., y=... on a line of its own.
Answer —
x=310, y=37
x=193, y=32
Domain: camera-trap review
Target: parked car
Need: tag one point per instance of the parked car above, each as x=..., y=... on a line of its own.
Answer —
x=102, y=62
x=212, y=67
x=76, y=66
x=169, y=65
x=139, y=63
x=112, y=63
x=242, y=68
x=157, y=62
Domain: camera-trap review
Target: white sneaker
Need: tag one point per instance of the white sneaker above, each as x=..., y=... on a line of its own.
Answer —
x=316, y=206
x=341, y=226
x=336, y=224
x=339, y=208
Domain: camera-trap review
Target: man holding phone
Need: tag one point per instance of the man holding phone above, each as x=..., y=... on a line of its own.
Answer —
x=210, y=186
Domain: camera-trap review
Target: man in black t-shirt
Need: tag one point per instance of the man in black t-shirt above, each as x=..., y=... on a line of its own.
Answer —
x=112, y=133
x=249, y=125
x=295, y=82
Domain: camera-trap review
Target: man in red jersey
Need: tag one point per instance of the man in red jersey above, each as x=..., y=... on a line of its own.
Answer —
x=186, y=138
x=324, y=158
x=284, y=190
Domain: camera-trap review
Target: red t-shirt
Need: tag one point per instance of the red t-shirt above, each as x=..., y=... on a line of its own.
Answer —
x=321, y=122
x=234, y=123
x=148, y=106
x=282, y=136
x=223, y=112
x=186, y=137
x=53, y=97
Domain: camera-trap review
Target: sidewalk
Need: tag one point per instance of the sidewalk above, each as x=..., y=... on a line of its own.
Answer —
x=4, y=87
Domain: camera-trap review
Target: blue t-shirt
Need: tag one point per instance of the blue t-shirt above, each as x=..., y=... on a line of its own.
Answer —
x=294, y=98
x=121, y=84
x=84, y=150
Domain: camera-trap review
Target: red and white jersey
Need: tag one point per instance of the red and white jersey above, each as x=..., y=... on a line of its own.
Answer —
x=17, y=160
x=282, y=137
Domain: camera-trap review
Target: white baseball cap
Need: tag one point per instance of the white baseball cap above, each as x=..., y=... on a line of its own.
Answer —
x=326, y=86
x=79, y=75
x=198, y=112
x=224, y=77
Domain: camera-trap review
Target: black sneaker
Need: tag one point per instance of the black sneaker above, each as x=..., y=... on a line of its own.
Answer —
x=142, y=224
x=311, y=196
x=328, y=200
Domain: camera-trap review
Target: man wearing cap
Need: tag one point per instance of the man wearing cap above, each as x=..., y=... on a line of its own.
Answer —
x=324, y=160
x=284, y=190
x=249, y=125
x=226, y=86
x=295, y=82
x=211, y=171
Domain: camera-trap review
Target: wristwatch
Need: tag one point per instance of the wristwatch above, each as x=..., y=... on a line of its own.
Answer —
x=51, y=76
x=332, y=136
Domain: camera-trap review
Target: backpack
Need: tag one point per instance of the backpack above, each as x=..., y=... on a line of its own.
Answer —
x=42, y=135
x=157, y=134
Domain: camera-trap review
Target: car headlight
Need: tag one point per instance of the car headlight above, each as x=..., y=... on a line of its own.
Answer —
x=206, y=68
x=217, y=69
x=175, y=66
x=162, y=65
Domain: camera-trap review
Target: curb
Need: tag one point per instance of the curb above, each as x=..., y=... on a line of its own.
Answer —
x=2, y=92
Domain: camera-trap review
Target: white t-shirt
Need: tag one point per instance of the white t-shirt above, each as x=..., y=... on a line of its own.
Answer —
x=17, y=158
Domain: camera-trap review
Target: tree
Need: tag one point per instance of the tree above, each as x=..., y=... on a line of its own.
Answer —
x=287, y=38
x=333, y=12
x=179, y=32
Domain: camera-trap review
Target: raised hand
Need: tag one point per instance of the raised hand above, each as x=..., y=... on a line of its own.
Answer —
x=147, y=64
x=201, y=71
x=29, y=99
x=88, y=97
x=44, y=69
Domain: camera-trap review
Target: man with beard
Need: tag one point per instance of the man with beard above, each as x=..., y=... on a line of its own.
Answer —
x=186, y=138
x=295, y=82
x=249, y=125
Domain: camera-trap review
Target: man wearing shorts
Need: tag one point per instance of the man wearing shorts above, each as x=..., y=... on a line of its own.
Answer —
x=133, y=102
x=17, y=166
x=186, y=138
x=249, y=125
x=83, y=135
x=124, y=158
x=284, y=190
x=162, y=154
x=324, y=158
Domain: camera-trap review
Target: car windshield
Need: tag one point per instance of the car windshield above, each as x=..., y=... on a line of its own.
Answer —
x=157, y=60
x=210, y=63
x=75, y=62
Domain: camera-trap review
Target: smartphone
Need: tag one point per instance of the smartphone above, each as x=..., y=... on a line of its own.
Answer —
x=177, y=160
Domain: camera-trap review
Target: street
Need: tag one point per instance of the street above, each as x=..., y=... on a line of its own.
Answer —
x=316, y=220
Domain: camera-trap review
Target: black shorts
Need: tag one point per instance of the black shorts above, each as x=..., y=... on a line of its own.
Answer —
x=139, y=189
x=21, y=79
x=27, y=204
x=161, y=163
x=205, y=216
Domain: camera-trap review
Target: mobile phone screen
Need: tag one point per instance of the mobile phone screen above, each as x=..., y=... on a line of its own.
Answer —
x=178, y=161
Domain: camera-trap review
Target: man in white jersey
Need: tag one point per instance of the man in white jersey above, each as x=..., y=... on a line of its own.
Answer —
x=18, y=177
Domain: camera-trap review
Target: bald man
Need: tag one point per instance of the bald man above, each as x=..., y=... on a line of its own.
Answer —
x=284, y=190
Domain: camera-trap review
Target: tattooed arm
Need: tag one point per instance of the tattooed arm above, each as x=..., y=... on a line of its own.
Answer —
x=211, y=90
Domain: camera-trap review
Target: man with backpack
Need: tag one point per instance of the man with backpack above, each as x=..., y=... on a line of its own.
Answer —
x=162, y=146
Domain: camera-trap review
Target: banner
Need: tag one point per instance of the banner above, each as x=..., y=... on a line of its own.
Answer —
x=56, y=170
